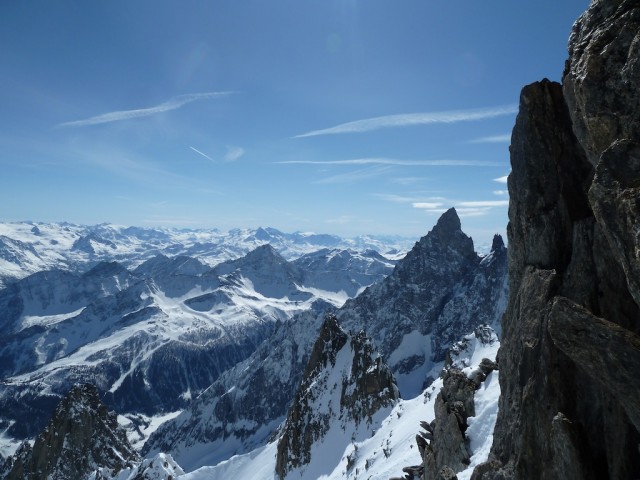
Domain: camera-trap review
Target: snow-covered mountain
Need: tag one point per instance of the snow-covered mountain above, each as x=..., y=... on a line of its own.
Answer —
x=441, y=289
x=219, y=351
x=154, y=337
x=226, y=420
x=244, y=406
x=387, y=443
x=30, y=247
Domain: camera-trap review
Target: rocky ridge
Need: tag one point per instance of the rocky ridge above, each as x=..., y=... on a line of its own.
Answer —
x=444, y=443
x=571, y=333
x=344, y=386
x=82, y=436
x=225, y=419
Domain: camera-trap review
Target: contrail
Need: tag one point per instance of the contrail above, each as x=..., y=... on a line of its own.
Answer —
x=201, y=153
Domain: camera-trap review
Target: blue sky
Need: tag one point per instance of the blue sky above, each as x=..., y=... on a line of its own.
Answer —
x=345, y=117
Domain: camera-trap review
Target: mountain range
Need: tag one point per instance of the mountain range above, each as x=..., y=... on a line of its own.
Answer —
x=225, y=347
x=153, y=337
x=30, y=247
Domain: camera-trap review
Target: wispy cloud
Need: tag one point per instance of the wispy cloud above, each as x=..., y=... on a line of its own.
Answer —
x=390, y=197
x=398, y=162
x=172, y=104
x=464, y=209
x=438, y=205
x=484, y=203
x=408, y=180
x=501, y=192
x=427, y=205
x=501, y=179
x=473, y=212
x=132, y=166
x=201, y=153
x=233, y=153
x=355, y=176
x=506, y=138
x=409, y=119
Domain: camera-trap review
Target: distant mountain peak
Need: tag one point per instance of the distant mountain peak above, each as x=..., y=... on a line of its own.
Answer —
x=498, y=243
x=107, y=269
x=266, y=249
x=448, y=234
x=262, y=234
x=264, y=254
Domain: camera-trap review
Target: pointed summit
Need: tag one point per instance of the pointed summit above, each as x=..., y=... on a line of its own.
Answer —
x=448, y=221
x=448, y=234
x=498, y=243
x=445, y=240
x=264, y=252
x=437, y=291
x=262, y=234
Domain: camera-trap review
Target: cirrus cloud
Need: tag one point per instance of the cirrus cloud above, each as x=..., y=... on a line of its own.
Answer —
x=410, y=119
x=171, y=104
x=398, y=162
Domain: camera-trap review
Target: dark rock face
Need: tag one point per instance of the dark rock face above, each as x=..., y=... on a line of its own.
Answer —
x=345, y=383
x=601, y=78
x=82, y=436
x=571, y=344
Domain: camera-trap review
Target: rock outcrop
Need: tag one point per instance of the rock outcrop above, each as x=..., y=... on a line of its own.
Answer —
x=344, y=386
x=453, y=442
x=82, y=436
x=453, y=406
x=571, y=344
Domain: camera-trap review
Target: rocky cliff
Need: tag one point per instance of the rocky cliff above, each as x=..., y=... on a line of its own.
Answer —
x=82, y=436
x=570, y=402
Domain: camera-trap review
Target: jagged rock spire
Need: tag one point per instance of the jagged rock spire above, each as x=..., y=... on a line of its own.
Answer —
x=498, y=243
